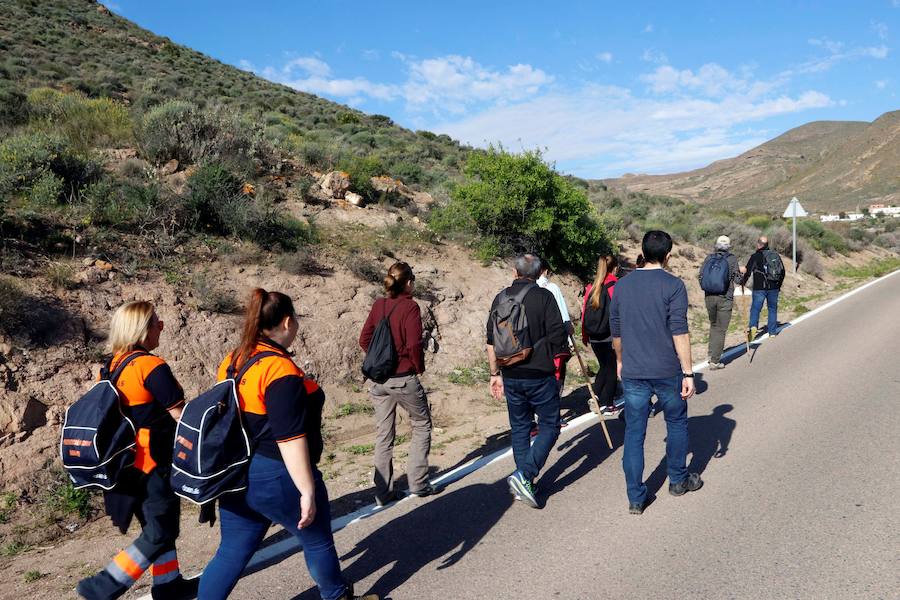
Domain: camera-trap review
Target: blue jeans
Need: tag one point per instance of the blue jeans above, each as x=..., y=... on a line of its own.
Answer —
x=244, y=518
x=637, y=411
x=524, y=399
x=770, y=297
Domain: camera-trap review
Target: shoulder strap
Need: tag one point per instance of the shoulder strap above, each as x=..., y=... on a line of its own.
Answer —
x=387, y=315
x=520, y=295
x=250, y=362
x=104, y=372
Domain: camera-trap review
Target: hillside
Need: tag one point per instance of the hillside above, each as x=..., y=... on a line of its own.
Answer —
x=80, y=45
x=829, y=165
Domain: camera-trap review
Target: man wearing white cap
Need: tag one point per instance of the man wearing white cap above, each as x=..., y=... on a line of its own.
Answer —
x=717, y=277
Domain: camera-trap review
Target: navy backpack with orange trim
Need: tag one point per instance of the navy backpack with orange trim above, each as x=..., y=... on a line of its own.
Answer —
x=212, y=449
x=98, y=440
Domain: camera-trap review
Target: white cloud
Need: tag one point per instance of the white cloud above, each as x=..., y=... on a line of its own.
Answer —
x=630, y=133
x=648, y=28
x=881, y=29
x=837, y=53
x=606, y=57
x=444, y=84
x=654, y=56
x=710, y=79
x=881, y=84
x=371, y=55
x=453, y=82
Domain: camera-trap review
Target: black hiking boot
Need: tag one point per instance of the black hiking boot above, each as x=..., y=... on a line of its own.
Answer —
x=635, y=508
x=383, y=501
x=177, y=589
x=428, y=490
x=692, y=483
x=349, y=595
x=100, y=587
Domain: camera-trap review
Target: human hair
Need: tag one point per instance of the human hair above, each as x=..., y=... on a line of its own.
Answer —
x=128, y=328
x=528, y=266
x=265, y=310
x=762, y=242
x=722, y=246
x=396, y=279
x=656, y=245
x=640, y=262
x=606, y=265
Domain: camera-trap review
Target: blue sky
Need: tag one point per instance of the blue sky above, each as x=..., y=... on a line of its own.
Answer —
x=605, y=88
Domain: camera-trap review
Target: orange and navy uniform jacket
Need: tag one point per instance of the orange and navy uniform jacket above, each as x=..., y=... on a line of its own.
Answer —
x=148, y=390
x=278, y=402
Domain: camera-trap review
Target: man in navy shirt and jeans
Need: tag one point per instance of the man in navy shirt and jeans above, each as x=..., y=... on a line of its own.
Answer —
x=648, y=319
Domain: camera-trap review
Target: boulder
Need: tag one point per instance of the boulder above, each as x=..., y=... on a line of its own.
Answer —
x=354, y=199
x=335, y=184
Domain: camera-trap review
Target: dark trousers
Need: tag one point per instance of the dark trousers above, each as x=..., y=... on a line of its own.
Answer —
x=526, y=398
x=606, y=379
x=158, y=510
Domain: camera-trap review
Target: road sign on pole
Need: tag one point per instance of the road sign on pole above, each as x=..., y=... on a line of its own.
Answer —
x=794, y=210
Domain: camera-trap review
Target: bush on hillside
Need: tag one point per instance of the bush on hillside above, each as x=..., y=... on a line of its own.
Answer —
x=821, y=238
x=522, y=204
x=209, y=188
x=130, y=207
x=13, y=105
x=180, y=130
x=86, y=123
x=361, y=170
x=27, y=158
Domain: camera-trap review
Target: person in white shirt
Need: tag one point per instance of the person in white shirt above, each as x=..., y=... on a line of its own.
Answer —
x=561, y=359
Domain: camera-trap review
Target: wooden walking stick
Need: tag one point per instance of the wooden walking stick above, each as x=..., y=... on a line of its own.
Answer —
x=593, y=402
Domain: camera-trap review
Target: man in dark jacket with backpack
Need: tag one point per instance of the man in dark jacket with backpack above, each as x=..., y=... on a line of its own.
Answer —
x=524, y=334
x=717, y=277
x=768, y=274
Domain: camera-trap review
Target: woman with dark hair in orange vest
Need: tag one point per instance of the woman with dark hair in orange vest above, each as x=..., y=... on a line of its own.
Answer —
x=152, y=399
x=282, y=412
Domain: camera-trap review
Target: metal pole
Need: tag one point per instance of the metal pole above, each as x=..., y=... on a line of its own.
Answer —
x=794, y=245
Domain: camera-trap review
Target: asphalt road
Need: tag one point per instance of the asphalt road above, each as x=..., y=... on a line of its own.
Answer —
x=799, y=452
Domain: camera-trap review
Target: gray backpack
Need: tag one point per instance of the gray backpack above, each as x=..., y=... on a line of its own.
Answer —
x=773, y=268
x=512, y=342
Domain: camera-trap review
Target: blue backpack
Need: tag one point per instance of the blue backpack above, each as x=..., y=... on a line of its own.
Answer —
x=98, y=440
x=212, y=449
x=715, y=277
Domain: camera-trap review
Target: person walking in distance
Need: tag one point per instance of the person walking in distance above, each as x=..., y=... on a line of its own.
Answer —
x=561, y=360
x=400, y=386
x=282, y=411
x=768, y=273
x=525, y=333
x=648, y=320
x=718, y=275
x=152, y=399
x=595, y=331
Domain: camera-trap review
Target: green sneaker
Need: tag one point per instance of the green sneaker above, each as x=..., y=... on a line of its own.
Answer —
x=523, y=489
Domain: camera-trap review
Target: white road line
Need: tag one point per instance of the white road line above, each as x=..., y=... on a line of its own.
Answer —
x=290, y=545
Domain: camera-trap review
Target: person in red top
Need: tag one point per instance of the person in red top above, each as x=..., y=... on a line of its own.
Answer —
x=606, y=380
x=403, y=386
x=152, y=399
x=282, y=412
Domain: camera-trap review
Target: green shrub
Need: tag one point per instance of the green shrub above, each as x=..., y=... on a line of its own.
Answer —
x=759, y=221
x=361, y=170
x=47, y=190
x=180, y=130
x=210, y=188
x=352, y=408
x=13, y=105
x=130, y=207
x=211, y=298
x=822, y=239
x=65, y=499
x=522, y=204
x=26, y=158
x=86, y=122
x=347, y=117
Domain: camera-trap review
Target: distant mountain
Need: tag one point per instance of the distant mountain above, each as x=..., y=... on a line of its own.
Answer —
x=829, y=165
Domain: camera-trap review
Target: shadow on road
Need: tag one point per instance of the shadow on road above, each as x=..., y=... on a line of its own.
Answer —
x=735, y=352
x=710, y=436
x=587, y=449
x=444, y=528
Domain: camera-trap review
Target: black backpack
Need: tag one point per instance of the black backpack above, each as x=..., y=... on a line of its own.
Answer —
x=773, y=268
x=512, y=341
x=596, y=320
x=381, y=357
x=98, y=440
x=715, y=276
x=212, y=449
